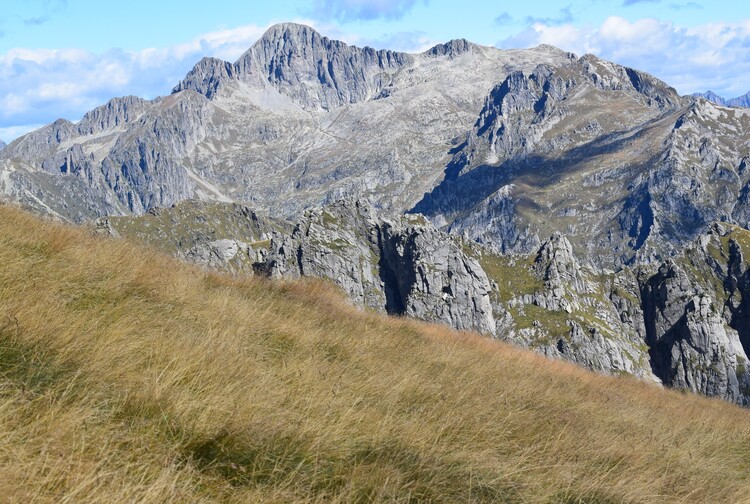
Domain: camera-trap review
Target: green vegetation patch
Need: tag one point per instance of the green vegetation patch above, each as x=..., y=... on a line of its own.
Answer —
x=513, y=275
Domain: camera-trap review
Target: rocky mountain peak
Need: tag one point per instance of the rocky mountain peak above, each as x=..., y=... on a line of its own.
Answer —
x=452, y=48
x=712, y=97
x=740, y=101
x=315, y=71
x=290, y=32
x=2, y=145
x=207, y=77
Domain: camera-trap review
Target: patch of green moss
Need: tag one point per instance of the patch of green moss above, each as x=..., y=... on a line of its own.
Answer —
x=513, y=276
x=554, y=323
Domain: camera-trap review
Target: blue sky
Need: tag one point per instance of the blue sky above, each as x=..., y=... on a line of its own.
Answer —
x=60, y=58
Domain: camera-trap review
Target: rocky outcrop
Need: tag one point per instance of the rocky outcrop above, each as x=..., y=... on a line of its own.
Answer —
x=452, y=48
x=228, y=237
x=651, y=90
x=684, y=324
x=402, y=267
x=569, y=311
x=691, y=344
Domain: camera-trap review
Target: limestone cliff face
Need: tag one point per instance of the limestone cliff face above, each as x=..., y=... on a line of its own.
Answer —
x=696, y=317
x=400, y=266
x=315, y=72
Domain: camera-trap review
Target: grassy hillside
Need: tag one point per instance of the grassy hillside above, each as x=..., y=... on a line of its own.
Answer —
x=128, y=377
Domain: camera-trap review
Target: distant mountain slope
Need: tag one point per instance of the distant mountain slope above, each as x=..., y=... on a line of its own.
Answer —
x=712, y=97
x=740, y=101
x=504, y=146
x=127, y=377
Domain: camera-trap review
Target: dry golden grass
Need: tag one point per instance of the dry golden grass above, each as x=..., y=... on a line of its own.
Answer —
x=127, y=377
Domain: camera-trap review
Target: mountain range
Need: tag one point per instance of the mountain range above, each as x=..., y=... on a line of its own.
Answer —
x=740, y=101
x=565, y=203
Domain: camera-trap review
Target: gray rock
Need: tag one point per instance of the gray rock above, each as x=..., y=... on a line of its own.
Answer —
x=692, y=345
x=578, y=316
x=402, y=267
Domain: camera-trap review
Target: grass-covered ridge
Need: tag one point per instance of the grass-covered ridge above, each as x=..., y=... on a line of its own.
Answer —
x=126, y=376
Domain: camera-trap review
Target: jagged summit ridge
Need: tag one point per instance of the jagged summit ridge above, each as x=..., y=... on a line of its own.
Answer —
x=317, y=72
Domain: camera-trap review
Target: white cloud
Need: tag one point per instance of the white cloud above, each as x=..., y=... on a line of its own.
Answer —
x=11, y=133
x=713, y=56
x=41, y=85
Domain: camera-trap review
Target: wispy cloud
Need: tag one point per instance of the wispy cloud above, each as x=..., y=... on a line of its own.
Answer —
x=49, y=8
x=685, y=6
x=712, y=56
x=564, y=16
x=12, y=132
x=347, y=10
x=504, y=19
x=633, y=2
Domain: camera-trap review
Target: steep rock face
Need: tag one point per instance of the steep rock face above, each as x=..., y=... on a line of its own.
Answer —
x=318, y=73
x=58, y=169
x=403, y=267
x=314, y=71
x=116, y=113
x=608, y=76
x=2, y=145
x=432, y=279
x=339, y=242
x=147, y=170
x=691, y=344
